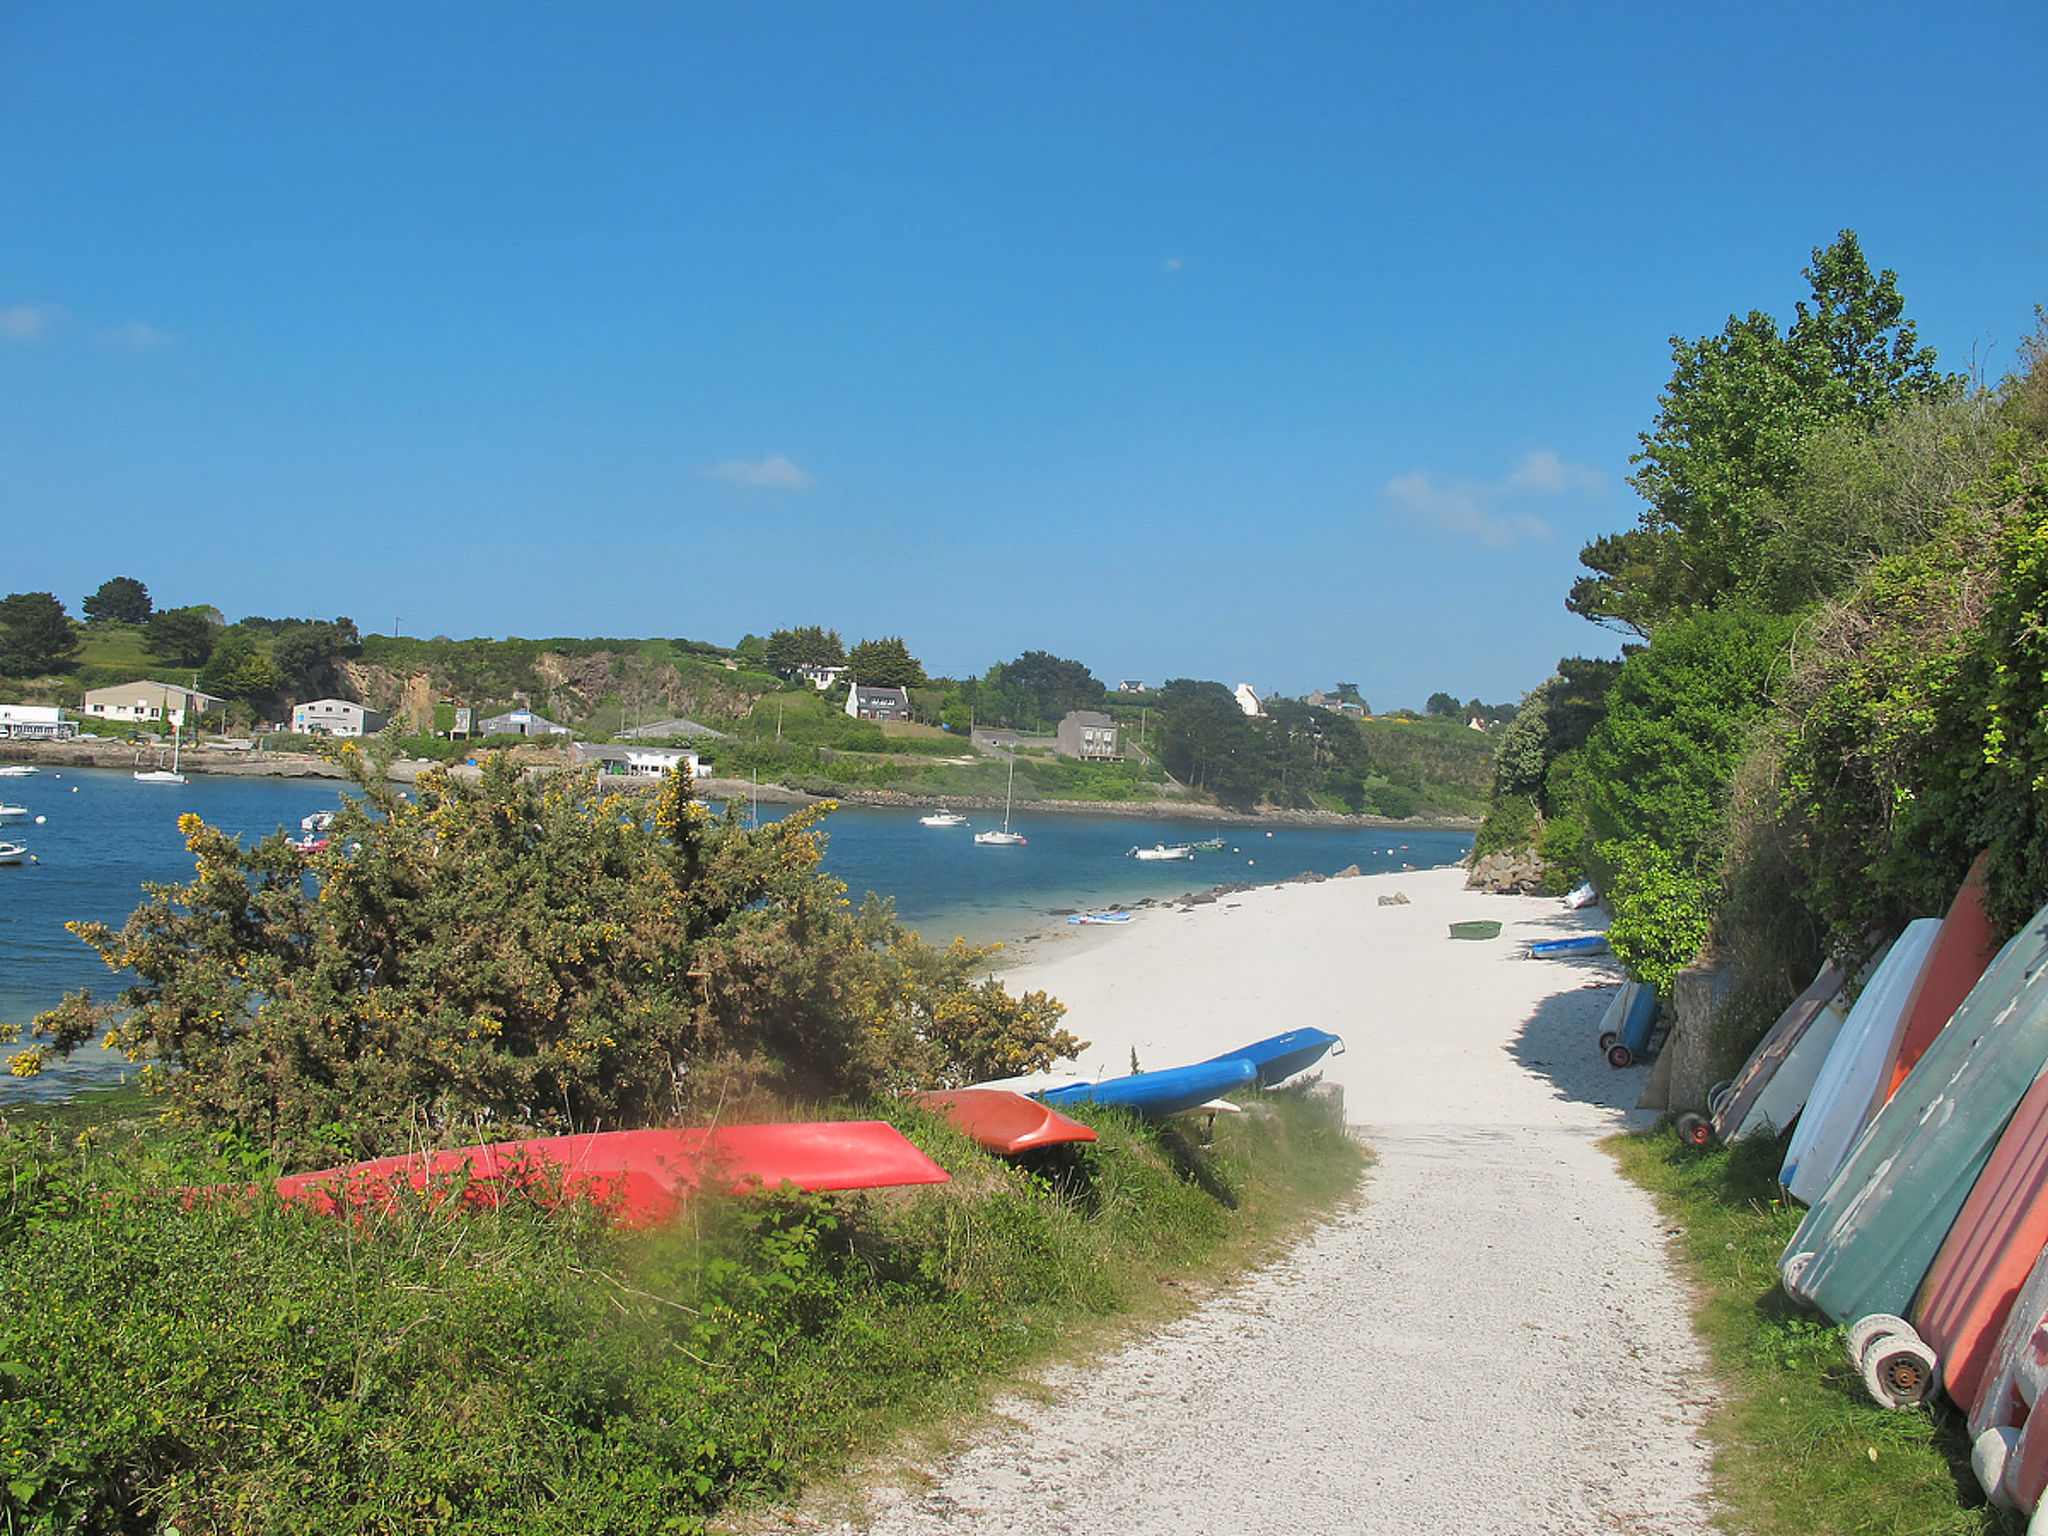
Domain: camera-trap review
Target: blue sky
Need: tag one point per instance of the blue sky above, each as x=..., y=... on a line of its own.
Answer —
x=1280, y=344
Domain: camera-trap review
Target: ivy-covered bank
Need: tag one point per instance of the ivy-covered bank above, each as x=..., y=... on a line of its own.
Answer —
x=1833, y=691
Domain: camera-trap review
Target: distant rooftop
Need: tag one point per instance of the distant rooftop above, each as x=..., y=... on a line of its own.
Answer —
x=661, y=729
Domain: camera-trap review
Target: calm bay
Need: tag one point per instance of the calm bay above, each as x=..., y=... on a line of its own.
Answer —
x=98, y=836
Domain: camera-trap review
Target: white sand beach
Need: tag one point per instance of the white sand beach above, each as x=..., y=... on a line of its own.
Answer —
x=1492, y=1341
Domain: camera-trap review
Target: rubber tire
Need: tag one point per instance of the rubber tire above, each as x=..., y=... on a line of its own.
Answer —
x=1718, y=1095
x=1990, y=1454
x=1866, y=1330
x=1899, y=1372
x=1608, y=1038
x=1695, y=1130
x=1619, y=1055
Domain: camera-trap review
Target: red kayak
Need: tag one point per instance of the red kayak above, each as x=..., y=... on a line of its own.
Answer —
x=1002, y=1121
x=643, y=1176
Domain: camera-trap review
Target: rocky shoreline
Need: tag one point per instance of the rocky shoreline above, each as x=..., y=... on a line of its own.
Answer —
x=208, y=758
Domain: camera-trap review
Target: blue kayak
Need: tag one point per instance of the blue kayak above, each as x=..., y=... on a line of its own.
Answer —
x=1281, y=1056
x=1577, y=944
x=1158, y=1093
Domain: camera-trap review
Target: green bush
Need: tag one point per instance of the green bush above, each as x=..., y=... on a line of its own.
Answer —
x=234, y=1364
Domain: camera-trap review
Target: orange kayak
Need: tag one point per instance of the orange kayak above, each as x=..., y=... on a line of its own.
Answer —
x=1005, y=1122
x=1961, y=954
x=642, y=1176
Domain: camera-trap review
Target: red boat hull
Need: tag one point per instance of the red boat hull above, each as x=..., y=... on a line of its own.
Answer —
x=643, y=1177
x=1003, y=1121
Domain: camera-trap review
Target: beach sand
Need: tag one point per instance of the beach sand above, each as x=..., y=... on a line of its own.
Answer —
x=1492, y=1340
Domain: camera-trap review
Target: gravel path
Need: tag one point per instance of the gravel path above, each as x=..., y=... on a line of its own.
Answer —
x=1491, y=1341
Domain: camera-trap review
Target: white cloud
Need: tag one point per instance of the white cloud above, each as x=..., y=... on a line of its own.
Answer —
x=1494, y=512
x=1172, y=263
x=135, y=336
x=30, y=322
x=772, y=473
x=1544, y=472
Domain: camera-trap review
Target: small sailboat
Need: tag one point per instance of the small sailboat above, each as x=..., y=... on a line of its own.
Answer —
x=1005, y=838
x=160, y=774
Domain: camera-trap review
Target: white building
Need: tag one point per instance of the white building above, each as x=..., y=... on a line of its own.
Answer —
x=522, y=722
x=35, y=722
x=637, y=762
x=145, y=700
x=1249, y=701
x=337, y=717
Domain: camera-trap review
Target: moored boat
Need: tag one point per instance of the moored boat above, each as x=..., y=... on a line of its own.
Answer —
x=943, y=819
x=15, y=853
x=1162, y=851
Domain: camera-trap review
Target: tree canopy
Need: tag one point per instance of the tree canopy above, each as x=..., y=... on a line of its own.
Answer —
x=885, y=663
x=182, y=636
x=1725, y=449
x=807, y=646
x=36, y=634
x=119, y=600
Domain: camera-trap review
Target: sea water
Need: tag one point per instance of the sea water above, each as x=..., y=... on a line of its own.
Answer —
x=99, y=837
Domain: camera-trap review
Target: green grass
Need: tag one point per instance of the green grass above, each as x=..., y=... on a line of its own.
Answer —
x=1800, y=1449
x=237, y=1365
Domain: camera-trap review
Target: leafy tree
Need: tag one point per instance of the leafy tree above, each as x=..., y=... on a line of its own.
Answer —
x=1658, y=769
x=1033, y=692
x=1443, y=705
x=302, y=652
x=884, y=663
x=1349, y=694
x=535, y=956
x=1205, y=741
x=119, y=600
x=238, y=669
x=36, y=634
x=1726, y=444
x=809, y=646
x=182, y=636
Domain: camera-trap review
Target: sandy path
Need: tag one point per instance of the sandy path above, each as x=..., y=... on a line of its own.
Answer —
x=1493, y=1341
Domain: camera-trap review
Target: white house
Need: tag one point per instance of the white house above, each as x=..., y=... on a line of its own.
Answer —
x=1249, y=701
x=337, y=717
x=819, y=676
x=35, y=722
x=145, y=699
x=637, y=762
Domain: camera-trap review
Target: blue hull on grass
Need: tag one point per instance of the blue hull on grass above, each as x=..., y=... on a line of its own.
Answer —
x=1281, y=1056
x=1159, y=1093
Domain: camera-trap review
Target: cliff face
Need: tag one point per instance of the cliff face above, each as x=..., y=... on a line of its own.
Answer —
x=567, y=689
